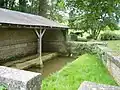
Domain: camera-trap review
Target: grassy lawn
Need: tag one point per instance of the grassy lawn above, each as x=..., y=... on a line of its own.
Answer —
x=85, y=68
x=115, y=44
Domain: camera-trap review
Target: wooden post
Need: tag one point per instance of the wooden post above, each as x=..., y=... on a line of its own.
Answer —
x=40, y=35
x=40, y=49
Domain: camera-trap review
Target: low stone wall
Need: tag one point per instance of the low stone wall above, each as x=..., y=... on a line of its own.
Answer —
x=14, y=79
x=77, y=48
x=111, y=60
x=94, y=86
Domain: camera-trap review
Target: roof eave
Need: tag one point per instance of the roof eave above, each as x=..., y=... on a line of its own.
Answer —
x=8, y=25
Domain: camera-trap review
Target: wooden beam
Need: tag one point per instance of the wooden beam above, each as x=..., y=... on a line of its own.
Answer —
x=40, y=35
x=37, y=33
x=43, y=32
x=9, y=25
x=40, y=48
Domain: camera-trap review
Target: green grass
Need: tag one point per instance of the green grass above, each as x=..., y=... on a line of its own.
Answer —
x=115, y=44
x=85, y=68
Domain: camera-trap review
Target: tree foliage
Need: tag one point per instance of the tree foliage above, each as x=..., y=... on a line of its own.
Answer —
x=92, y=16
x=31, y=6
x=54, y=10
x=7, y=4
x=47, y=8
x=43, y=7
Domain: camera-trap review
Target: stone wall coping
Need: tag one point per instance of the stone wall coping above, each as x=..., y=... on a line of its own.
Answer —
x=104, y=48
x=16, y=74
x=88, y=42
x=86, y=85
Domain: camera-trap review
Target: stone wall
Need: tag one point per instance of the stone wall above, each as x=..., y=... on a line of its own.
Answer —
x=17, y=42
x=54, y=41
x=77, y=48
x=111, y=60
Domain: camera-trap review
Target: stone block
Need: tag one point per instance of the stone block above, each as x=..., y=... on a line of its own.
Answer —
x=16, y=79
x=94, y=86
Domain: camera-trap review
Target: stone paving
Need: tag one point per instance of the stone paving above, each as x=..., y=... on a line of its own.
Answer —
x=94, y=86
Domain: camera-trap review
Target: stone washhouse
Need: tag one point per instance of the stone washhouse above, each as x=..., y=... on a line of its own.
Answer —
x=23, y=34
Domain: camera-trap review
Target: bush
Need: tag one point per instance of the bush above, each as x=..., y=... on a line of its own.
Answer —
x=109, y=36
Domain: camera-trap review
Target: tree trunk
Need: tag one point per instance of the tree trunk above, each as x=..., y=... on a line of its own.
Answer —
x=22, y=5
x=2, y=2
x=43, y=8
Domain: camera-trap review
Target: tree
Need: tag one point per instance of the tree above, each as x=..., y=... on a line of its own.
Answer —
x=56, y=10
x=92, y=16
x=33, y=7
x=43, y=6
x=9, y=4
x=1, y=3
x=23, y=5
x=48, y=8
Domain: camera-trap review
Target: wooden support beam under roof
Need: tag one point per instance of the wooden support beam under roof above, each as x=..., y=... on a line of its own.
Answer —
x=40, y=35
x=29, y=27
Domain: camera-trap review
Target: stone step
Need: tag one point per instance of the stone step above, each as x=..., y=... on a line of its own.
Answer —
x=10, y=63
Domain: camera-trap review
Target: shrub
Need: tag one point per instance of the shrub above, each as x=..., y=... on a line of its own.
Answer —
x=109, y=36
